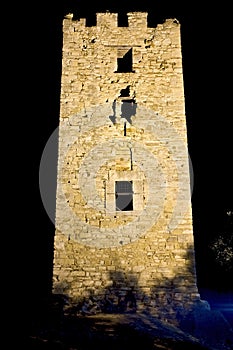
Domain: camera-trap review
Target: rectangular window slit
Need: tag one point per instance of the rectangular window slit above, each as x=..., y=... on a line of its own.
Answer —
x=124, y=60
x=124, y=128
x=124, y=195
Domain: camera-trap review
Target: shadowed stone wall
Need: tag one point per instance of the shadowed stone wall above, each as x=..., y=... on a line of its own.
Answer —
x=123, y=205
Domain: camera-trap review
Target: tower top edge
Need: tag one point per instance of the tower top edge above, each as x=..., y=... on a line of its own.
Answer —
x=135, y=19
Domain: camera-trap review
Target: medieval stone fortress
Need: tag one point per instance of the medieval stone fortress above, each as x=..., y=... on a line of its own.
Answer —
x=123, y=204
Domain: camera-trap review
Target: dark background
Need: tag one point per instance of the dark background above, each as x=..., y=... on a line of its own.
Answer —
x=207, y=66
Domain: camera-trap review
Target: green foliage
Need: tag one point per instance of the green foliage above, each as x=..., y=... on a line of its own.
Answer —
x=222, y=245
x=222, y=248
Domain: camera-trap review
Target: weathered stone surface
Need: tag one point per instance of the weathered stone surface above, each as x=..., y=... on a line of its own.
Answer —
x=122, y=118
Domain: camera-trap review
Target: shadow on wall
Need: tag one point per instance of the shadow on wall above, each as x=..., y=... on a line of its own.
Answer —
x=124, y=295
x=166, y=297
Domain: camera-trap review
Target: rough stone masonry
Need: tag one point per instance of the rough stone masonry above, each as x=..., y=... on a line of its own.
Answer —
x=123, y=204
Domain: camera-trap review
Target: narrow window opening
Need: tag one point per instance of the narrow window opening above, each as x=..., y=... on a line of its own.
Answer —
x=125, y=61
x=125, y=92
x=124, y=128
x=131, y=159
x=124, y=195
x=105, y=194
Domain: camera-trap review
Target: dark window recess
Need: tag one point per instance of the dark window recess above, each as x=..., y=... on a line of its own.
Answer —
x=124, y=128
x=125, y=61
x=125, y=92
x=124, y=195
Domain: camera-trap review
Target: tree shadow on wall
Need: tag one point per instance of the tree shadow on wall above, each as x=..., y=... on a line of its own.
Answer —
x=72, y=323
x=125, y=293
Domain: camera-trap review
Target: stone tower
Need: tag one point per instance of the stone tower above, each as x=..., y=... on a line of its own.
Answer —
x=123, y=204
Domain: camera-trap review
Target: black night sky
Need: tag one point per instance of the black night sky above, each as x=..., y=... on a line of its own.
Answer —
x=206, y=44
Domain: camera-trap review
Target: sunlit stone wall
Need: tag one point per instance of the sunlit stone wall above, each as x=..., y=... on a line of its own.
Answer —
x=122, y=119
